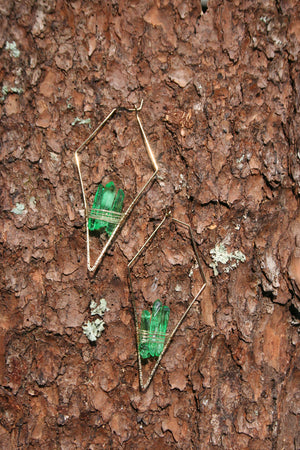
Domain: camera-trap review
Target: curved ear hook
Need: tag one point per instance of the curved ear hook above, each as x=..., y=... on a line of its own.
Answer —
x=136, y=108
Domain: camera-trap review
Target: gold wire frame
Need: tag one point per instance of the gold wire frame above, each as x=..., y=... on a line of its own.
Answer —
x=120, y=219
x=169, y=336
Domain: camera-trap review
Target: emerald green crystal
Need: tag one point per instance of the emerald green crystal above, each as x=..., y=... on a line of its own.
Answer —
x=165, y=314
x=158, y=328
x=117, y=207
x=144, y=334
x=104, y=199
x=106, y=203
x=153, y=330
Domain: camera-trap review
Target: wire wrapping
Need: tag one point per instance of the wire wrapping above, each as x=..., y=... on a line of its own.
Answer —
x=104, y=214
x=155, y=337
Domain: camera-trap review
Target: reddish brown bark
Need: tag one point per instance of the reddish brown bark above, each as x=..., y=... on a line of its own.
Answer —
x=221, y=110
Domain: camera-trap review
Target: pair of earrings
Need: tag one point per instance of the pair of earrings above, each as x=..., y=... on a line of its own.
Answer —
x=106, y=214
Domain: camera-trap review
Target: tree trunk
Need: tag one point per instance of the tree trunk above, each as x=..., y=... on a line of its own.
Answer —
x=221, y=114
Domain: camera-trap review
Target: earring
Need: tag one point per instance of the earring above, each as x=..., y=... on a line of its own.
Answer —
x=151, y=330
x=106, y=211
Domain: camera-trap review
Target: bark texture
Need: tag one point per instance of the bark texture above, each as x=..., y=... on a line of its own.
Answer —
x=221, y=97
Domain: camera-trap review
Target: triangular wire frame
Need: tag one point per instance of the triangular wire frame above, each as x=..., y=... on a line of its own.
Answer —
x=125, y=215
x=145, y=385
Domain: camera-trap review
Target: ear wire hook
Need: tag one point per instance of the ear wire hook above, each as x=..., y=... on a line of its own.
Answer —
x=124, y=217
x=136, y=109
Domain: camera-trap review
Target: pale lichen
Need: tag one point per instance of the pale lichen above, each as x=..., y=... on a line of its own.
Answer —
x=93, y=330
x=9, y=90
x=19, y=209
x=98, y=309
x=12, y=48
x=81, y=122
x=220, y=255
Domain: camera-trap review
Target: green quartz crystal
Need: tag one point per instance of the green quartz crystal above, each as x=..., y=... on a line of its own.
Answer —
x=106, y=199
x=144, y=334
x=153, y=330
x=155, y=326
x=165, y=314
x=117, y=207
x=155, y=321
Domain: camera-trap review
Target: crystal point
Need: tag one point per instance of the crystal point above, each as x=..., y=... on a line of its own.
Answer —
x=165, y=314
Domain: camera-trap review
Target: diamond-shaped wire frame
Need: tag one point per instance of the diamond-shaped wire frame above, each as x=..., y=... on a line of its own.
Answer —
x=130, y=265
x=125, y=215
